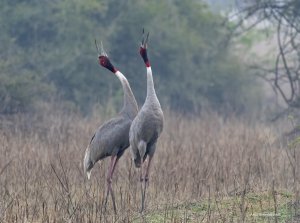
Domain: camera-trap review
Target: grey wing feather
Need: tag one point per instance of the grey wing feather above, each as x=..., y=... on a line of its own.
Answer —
x=110, y=139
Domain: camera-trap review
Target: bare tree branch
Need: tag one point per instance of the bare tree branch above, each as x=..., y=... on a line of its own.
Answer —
x=284, y=75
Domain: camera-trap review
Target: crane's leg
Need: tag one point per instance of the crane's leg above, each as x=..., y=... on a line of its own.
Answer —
x=141, y=172
x=145, y=182
x=146, y=177
x=113, y=163
x=142, y=146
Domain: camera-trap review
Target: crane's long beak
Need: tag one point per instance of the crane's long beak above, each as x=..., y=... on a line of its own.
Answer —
x=100, y=52
x=145, y=40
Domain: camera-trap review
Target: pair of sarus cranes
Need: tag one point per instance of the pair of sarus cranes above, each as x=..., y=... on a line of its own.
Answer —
x=139, y=129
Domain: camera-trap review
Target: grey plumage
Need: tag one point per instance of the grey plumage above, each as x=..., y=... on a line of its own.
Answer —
x=147, y=126
x=112, y=138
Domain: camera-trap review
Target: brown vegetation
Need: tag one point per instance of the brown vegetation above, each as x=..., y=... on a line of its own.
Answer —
x=198, y=161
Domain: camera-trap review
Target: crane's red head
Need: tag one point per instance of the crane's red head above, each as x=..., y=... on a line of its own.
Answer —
x=104, y=60
x=143, y=50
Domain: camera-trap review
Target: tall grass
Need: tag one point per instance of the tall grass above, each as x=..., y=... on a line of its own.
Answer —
x=198, y=160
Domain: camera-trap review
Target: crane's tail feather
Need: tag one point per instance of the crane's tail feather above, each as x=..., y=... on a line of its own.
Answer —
x=87, y=163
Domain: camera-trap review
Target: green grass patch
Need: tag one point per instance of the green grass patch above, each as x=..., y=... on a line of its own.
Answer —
x=253, y=207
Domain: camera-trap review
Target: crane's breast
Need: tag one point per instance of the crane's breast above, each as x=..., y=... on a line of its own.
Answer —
x=150, y=127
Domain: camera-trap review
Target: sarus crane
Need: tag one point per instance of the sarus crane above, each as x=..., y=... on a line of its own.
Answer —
x=111, y=138
x=147, y=126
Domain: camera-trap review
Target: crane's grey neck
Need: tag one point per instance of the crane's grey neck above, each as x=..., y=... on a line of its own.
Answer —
x=151, y=95
x=130, y=107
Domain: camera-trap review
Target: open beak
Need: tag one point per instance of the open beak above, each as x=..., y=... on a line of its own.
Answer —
x=100, y=52
x=144, y=40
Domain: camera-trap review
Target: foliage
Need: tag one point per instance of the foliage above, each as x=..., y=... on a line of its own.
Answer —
x=284, y=18
x=47, y=50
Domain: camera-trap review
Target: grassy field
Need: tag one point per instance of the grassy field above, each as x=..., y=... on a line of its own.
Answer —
x=206, y=169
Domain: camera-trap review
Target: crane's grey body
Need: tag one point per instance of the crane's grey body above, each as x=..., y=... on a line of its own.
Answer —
x=147, y=126
x=112, y=138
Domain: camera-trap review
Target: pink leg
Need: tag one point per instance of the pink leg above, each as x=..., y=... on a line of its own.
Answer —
x=143, y=188
x=112, y=166
x=141, y=172
x=144, y=181
x=148, y=168
x=115, y=160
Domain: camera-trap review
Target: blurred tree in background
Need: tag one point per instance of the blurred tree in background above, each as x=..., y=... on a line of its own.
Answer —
x=284, y=18
x=47, y=52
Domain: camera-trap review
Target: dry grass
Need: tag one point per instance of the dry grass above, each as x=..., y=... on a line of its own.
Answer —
x=205, y=170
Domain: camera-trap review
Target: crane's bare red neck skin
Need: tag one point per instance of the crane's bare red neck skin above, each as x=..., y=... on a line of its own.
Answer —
x=105, y=62
x=143, y=52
